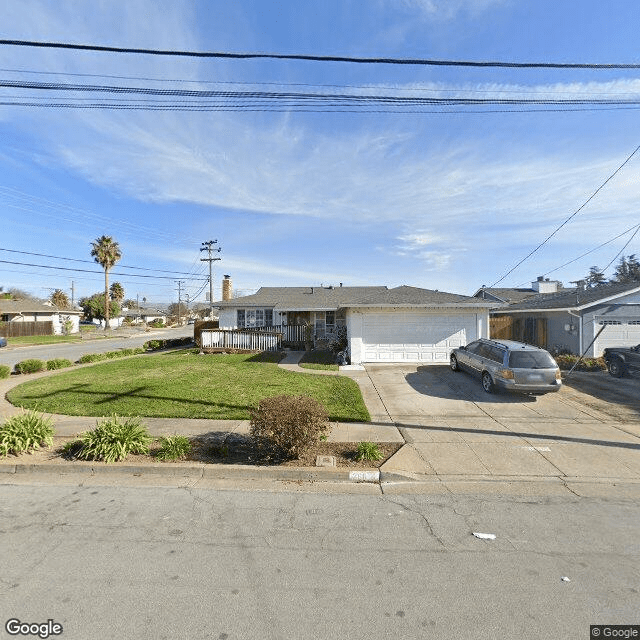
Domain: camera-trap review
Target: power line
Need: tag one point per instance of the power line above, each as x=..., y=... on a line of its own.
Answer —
x=575, y=213
x=122, y=266
x=412, y=88
x=586, y=253
x=318, y=58
x=623, y=248
x=115, y=273
x=299, y=97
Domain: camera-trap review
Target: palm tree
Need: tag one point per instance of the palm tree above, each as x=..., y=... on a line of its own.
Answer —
x=60, y=299
x=106, y=252
x=117, y=291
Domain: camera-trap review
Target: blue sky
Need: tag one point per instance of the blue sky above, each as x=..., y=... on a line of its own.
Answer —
x=446, y=201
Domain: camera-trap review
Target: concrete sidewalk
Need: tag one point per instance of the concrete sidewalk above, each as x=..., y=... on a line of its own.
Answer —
x=440, y=454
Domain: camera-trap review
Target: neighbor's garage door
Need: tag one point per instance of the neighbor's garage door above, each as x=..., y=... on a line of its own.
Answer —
x=621, y=332
x=414, y=336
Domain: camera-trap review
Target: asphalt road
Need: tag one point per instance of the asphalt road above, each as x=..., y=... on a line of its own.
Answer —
x=167, y=563
x=12, y=354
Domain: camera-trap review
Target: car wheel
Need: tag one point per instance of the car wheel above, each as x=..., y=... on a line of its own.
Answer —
x=616, y=368
x=453, y=363
x=487, y=383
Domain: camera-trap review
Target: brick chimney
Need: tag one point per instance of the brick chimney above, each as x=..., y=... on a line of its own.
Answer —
x=226, y=288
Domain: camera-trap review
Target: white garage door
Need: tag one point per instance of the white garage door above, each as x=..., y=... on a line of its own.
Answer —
x=414, y=336
x=621, y=332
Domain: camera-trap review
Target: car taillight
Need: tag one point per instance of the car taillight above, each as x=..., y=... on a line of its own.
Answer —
x=507, y=374
x=558, y=375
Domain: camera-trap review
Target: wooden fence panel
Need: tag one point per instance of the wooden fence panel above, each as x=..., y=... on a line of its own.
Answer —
x=18, y=329
x=501, y=328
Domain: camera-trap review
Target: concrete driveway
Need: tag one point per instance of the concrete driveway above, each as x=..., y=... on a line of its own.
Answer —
x=456, y=429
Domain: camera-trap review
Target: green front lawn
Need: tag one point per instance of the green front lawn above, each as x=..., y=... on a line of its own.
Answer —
x=319, y=359
x=73, y=337
x=184, y=384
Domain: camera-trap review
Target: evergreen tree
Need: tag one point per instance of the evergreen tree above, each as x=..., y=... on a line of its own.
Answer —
x=628, y=269
x=596, y=277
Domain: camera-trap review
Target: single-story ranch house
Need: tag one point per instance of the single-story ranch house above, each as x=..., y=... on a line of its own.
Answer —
x=580, y=320
x=403, y=324
x=27, y=311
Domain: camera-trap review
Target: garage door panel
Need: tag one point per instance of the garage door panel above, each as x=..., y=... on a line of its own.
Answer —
x=415, y=337
x=625, y=334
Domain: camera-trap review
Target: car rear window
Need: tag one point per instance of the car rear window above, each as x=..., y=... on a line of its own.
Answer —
x=531, y=360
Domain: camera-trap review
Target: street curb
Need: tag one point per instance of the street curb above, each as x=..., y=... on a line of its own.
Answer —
x=216, y=472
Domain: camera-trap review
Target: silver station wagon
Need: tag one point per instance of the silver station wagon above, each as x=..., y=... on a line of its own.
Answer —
x=508, y=365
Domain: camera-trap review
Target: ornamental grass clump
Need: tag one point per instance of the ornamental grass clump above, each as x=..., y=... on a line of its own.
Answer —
x=368, y=451
x=291, y=423
x=173, y=448
x=58, y=363
x=5, y=371
x=32, y=365
x=25, y=432
x=114, y=439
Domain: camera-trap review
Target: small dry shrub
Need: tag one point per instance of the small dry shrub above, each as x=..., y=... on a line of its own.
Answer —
x=292, y=423
x=566, y=361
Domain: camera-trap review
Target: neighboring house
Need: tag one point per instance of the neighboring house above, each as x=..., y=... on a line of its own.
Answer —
x=516, y=295
x=144, y=315
x=26, y=311
x=404, y=324
x=572, y=319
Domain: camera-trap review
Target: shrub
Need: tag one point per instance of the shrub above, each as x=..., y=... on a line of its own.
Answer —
x=565, y=362
x=30, y=366
x=110, y=355
x=5, y=371
x=173, y=447
x=152, y=345
x=114, y=439
x=58, y=363
x=92, y=357
x=292, y=423
x=368, y=451
x=339, y=341
x=24, y=432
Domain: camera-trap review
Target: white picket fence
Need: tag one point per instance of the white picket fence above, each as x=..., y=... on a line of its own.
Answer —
x=240, y=339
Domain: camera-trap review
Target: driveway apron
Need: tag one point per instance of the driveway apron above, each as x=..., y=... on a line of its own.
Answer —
x=454, y=428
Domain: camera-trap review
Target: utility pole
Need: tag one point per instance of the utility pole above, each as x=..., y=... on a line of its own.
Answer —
x=73, y=294
x=179, y=283
x=207, y=246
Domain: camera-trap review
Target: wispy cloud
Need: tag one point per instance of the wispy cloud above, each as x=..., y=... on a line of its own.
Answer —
x=449, y=9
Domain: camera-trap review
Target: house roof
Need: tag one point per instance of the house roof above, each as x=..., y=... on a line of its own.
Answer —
x=506, y=294
x=31, y=306
x=575, y=298
x=331, y=298
x=134, y=313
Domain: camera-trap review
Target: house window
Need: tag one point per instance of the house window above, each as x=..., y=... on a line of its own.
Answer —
x=633, y=322
x=255, y=318
x=5, y=317
x=609, y=322
x=330, y=319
